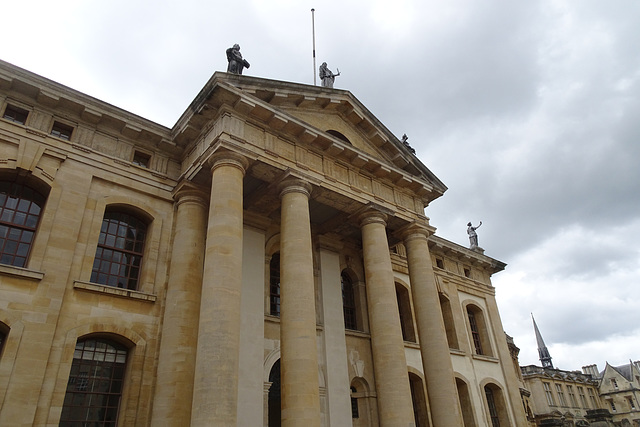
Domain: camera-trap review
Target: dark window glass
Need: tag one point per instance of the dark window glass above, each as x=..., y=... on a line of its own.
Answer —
x=354, y=404
x=95, y=384
x=274, y=285
x=141, y=159
x=61, y=130
x=15, y=114
x=20, y=207
x=348, y=303
x=475, y=333
x=119, y=253
x=493, y=412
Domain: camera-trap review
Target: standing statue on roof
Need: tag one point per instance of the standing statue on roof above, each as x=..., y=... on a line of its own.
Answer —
x=327, y=76
x=236, y=63
x=473, y=236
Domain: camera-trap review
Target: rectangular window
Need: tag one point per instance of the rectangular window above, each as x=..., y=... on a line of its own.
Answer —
x=549, y=394
x=475, y=332
x=560, y=392
x=15, y=114
x=613, y=406
x=141, y=159
x=614, y=383
x=467, y=272
x=572, y=396
x=632, y=405
x=583, y=399
x=592, y=397
x=439, y=263
x=62, y=131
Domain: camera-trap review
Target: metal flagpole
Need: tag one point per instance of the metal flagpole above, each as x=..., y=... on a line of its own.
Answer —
x=313, y=33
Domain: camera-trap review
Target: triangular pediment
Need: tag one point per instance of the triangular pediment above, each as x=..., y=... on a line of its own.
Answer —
x=330, y=121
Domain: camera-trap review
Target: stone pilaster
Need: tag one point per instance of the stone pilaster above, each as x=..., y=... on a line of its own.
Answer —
x=436, y=359
x=299, y=357
x=177, y=356
x=389, y=362
x=215, y=391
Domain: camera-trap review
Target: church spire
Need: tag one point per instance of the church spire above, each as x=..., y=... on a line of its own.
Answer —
x=545, y=357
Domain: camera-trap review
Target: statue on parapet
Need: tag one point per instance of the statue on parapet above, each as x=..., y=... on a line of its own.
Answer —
x=327, y=76
x=236, y=62
x=473, y=236
x=405, y=141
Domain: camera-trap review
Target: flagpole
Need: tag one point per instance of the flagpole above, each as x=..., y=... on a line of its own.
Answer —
x=313, y=33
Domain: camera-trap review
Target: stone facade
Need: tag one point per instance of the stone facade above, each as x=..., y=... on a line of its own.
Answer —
x=558, y=396
x=619, y=388
x=265, y=261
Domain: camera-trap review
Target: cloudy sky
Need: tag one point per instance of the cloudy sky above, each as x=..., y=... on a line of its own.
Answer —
x=528, y=111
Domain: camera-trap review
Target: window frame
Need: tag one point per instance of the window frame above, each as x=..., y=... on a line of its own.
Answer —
x=13, y=108
x=61, y=130
x=89, y=359
x=29, y=205
x=134, y=258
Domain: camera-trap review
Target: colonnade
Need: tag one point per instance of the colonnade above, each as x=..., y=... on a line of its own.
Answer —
x=198, y=377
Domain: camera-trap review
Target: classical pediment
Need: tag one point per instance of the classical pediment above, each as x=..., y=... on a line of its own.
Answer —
x=323, y=122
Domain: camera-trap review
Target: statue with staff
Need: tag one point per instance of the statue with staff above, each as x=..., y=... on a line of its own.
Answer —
x=327, y=76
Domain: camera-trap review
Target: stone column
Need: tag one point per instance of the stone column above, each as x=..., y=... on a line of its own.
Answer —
x=389, y=362
x=177, y=356
x=436, y=359
x=215, y=391
x=299, y=357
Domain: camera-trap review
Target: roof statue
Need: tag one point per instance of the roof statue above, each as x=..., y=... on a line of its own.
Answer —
x=405, y=141
x=545, y=357
x=236, y=62
x=473, y=236
x=327, y=76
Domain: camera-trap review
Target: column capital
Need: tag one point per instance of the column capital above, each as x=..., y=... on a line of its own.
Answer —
x=415, y=230
x=229, y=158
x=294, y=185
x=372, y=216
x=187, y=192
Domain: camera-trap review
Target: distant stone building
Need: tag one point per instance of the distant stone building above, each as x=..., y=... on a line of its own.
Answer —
x=266, y=261
x=619, y=388
x=561, y=395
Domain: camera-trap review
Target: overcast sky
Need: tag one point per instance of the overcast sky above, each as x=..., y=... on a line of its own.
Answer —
x=528, y=111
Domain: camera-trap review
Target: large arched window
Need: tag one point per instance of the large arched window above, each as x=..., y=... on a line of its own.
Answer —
x=274, y=285
x=478, y=330
x=95, y=384
x=20, y=208
x=496, y=407
x=406, y=316
x=449, y=323
x=120, y=248
x=348, y=303
x=466, y=404
x=419, y=400
x=274, y=399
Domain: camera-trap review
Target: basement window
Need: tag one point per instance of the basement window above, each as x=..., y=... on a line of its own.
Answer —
x=141, y=159
x=62, y=131
x=15, y=114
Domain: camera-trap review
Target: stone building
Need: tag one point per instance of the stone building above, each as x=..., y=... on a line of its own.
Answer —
x=619, y=388
x=265, y=261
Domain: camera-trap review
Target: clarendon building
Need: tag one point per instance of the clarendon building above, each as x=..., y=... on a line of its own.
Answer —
x=266, y=261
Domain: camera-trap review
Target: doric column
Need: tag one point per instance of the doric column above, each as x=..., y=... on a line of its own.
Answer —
x=177, y=356
x=215, y=391
x=389, y=362
x=299, y=357
x=436, y=359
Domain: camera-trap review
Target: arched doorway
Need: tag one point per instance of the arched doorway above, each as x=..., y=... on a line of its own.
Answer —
x=274, y=395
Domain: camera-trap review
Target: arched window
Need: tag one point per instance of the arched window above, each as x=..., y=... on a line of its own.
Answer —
x=95, y=384
x=406, y=317
x=478, y=330
x=3, y=336
x=419, y=400
x=466, y=404
x=496, y=406
x=339, y=135
x=20, y=208
x=120, y=249
x=449, y=324
x=348, y=303
x=274, y=285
